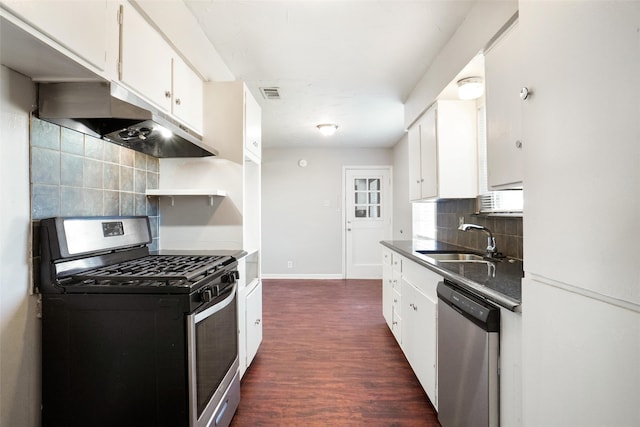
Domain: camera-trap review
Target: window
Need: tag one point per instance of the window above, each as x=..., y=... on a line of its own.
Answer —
x=367, y=198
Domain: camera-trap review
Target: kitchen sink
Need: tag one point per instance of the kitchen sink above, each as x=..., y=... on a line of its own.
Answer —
x=456, y=257
x=453, y=256
x=462, y=257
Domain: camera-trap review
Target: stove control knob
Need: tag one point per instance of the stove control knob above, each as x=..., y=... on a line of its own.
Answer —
x=230, y=277
x=206, y=295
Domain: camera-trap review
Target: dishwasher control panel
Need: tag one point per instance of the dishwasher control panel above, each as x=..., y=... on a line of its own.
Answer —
x=480, y=312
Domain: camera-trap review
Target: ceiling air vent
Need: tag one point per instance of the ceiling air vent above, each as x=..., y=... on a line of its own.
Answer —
x=270, y=92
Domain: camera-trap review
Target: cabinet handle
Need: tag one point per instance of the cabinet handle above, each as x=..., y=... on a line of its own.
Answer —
x=518, y=144
x=167, y=94
x=178, y=101
x=525, y=93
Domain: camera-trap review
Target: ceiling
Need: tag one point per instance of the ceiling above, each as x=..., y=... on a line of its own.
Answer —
x=352, y=63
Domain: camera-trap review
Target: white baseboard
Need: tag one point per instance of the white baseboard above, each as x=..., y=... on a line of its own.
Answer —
x=303, y=276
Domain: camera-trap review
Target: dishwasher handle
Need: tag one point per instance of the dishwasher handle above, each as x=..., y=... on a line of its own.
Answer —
x=480, y=312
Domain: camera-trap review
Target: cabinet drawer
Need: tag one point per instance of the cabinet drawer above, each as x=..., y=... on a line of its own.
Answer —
x=396, y=262
x=422, y=279
x=386, y=257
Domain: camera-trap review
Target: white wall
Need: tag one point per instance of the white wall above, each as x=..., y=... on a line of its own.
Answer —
x=302, y=208
x=19, y=327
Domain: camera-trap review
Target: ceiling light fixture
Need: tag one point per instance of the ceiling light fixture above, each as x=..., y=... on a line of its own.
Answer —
x=327, y=129
x=470, y=88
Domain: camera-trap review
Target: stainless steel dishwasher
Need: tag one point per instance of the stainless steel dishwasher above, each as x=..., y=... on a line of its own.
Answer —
x=468, y=347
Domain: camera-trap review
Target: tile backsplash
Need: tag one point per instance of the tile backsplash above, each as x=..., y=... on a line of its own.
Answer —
x=73, y=174
x=506, y=230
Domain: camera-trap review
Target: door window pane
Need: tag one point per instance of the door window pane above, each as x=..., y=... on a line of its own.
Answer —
x=360, y=184
x=367, y=196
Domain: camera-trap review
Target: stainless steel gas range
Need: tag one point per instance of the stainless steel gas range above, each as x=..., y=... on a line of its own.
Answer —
x=131, y=338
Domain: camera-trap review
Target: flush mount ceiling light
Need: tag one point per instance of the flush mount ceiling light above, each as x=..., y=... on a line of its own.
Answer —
x=470, y=88
x=327, y=129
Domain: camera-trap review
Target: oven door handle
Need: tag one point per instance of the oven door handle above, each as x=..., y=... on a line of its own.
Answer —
x=213, y=309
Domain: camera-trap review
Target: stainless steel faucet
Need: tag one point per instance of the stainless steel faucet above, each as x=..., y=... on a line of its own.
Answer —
x=492, y=249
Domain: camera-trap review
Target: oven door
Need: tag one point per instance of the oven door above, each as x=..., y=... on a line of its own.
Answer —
x=212, y=340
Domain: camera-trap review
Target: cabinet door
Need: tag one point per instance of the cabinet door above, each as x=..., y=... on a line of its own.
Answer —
x=581, y=134
x=457, y=174
x=504, y=112
x=415, y=176
x=419, y=336
x=429, y=154
x=80, y=26
x=187, y=94
x=253, y=125
x=254, y=322
x=146, y=59
x=420, y=306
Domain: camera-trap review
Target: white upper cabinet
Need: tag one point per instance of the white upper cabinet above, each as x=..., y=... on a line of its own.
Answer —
x=504, y=112
x=187, y=94
x=423, y=159
x=149, y=65
x=234, y=121
x=145, y=58
x=443, y=152
x=79, y=26
x=253, y=126
x=581, y=132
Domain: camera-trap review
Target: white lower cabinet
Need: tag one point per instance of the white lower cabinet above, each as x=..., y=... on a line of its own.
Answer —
x=419, y=324
x=253, y=317
x=249, y=314
x=387, y=287
x=410, y=299
x=409, y=305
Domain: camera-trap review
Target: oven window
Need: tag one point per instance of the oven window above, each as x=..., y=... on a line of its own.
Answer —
x=216, y=350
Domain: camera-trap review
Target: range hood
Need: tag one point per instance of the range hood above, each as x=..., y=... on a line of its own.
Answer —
x=109, y=111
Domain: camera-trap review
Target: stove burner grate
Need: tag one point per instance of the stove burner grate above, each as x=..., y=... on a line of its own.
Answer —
x=153, y=270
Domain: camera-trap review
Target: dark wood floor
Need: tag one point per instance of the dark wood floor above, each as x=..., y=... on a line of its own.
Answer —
x=328, y=359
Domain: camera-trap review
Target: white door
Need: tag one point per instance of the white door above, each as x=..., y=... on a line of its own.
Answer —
x=367, y=220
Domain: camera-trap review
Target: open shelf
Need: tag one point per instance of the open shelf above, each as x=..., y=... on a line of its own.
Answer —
x=172, y=193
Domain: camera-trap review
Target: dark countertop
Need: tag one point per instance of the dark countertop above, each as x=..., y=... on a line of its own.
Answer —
x=499, y=282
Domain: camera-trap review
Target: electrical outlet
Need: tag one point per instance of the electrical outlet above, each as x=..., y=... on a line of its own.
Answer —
x=289, y=264
x=460, y=220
